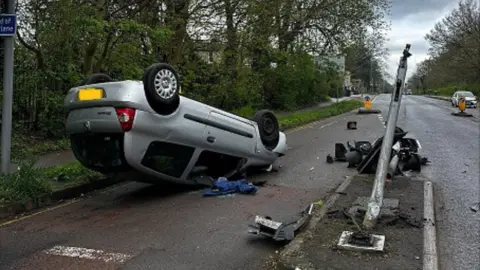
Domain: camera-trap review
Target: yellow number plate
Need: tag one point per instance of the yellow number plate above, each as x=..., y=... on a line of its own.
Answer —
x=90, y=94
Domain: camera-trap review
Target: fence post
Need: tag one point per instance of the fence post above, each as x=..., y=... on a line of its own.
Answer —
x=376, y=199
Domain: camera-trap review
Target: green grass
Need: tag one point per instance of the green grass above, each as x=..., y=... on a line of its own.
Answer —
x=302, y=118
x=24, y=147
x=305, y=116
x=31, y=183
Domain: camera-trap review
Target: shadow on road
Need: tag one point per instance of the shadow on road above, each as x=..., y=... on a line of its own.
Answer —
x=148, y=193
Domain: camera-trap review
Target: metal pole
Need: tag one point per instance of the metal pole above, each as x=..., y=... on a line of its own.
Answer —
x=7, y=94
x=376, y=199
x=370, y=83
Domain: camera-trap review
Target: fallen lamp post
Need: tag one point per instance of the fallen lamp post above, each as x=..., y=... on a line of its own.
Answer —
x=376, y=199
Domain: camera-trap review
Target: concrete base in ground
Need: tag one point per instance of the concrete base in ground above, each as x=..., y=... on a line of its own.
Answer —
x=401, y=225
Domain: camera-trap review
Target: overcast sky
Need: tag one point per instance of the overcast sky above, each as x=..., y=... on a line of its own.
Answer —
x=411, y=21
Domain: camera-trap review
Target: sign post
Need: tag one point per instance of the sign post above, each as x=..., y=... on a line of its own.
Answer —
x=8, y=29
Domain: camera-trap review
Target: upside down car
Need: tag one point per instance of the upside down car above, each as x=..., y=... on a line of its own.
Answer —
x=148, y=131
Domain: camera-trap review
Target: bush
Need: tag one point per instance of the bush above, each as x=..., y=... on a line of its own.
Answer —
x=31, y=184
x=302, y=118
x=450, y=90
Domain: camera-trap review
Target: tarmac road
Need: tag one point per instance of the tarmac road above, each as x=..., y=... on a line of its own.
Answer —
x=138, y=226
x=452, y=144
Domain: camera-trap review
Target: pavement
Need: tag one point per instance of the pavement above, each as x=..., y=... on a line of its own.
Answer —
x=452, y=144
x=139, y=226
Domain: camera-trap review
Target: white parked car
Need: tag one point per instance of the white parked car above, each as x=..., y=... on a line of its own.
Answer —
x=470, y=99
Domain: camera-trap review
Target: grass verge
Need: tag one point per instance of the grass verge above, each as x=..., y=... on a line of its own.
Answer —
x=25, y=147
x=301, y=118
x=30, y=183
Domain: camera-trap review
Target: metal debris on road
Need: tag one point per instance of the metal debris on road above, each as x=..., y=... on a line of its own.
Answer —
x=475, y=207
x=280, y=231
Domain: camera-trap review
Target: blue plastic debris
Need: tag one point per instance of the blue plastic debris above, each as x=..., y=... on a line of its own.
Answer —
x=222, y=187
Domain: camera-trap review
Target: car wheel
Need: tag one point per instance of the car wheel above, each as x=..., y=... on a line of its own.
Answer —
x=97, y=78
x=268, y=128
x=162, y=84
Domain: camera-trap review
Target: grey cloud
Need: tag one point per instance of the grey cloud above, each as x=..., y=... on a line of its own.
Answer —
x=403, y=8
x=417, y=46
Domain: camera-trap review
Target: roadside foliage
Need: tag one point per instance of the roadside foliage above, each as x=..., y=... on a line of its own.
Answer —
x=236, y=55
x=454, y=56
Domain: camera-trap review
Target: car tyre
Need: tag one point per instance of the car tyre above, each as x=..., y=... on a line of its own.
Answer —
x=268, y=127
x=162, y=85
x=97, y=78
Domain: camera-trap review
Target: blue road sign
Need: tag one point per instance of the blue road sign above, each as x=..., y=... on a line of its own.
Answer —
x=8, y=25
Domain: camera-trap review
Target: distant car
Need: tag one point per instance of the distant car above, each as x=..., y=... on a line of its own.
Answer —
x=408, y=92
x=470, y=99
x=147, y=130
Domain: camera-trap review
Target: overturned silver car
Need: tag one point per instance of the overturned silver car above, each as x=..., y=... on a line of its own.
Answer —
x=147, y=130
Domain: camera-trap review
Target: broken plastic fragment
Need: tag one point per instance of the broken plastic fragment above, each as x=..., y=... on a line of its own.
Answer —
x=319, y=203
x=280, y=231
x=475, y=207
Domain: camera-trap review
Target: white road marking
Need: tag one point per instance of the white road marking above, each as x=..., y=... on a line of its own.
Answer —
x=86, y=253
x=326, y=125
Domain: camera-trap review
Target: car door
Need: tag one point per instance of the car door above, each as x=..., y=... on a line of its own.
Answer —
x=229, y=135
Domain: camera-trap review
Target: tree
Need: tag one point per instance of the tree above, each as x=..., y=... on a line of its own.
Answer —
x=265, y=49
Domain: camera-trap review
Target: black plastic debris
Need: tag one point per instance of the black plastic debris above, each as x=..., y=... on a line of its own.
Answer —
x=329, y=159
x=364, y=147
x=368, y=111
x=369, y=163
x=354, y=158
x=352, y=125
x=412, y=163
x=340, y=152
x=424, y=161
x=280, y=231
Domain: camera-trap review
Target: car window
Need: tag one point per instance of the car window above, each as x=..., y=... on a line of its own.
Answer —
x=466, y=94
x=167, y=158
x=99, y=151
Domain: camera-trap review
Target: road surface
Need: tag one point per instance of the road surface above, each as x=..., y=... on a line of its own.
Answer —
x=138, y=226
x=452, y=144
